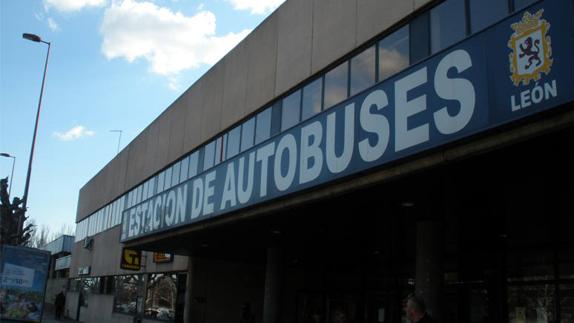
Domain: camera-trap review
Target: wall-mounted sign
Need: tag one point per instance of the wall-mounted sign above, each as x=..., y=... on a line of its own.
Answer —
x=131, y=259
x=161, y=257
x=82, y=271
x=23, y=283
x=517, y=68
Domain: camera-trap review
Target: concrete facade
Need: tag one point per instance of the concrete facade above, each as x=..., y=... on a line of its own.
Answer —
x=298, y=40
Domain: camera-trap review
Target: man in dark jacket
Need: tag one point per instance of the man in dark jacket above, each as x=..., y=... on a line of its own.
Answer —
x=59, y=304
x=416, y=311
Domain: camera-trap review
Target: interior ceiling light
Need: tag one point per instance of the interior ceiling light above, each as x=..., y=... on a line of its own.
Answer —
x=407, y=204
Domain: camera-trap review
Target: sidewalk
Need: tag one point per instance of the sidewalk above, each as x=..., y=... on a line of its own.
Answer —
x=49, y=317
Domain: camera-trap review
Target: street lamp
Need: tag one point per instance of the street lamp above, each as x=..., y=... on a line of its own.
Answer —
x=12, y=175
x=119, y=139
x=36, y=39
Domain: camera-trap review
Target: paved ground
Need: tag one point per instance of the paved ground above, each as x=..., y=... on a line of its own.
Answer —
x=49, y=317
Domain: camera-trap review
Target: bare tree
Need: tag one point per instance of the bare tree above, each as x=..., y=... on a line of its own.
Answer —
x=40, y=235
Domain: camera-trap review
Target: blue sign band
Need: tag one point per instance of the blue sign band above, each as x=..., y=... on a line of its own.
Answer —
x=517, y=68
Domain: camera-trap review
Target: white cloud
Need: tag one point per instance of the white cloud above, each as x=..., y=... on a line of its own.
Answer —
x=72, y=5
x=257, y=7
x=75, y=133
x=169, y=41
x=53, y=25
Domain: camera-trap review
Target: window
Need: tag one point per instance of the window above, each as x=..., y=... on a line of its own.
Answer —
x=263, y=126
x=290, y=114
x=193, y=164
x=233, y=141
x=175, y=174
x=220, y=149
x=419, y=38
x=151, y=188
x=167, y=179
x=247, y=134
x=312, y=99
x=209, y=157
x=125, y=295
x=521, y=4
x=448, y=24
x=184, y=169
x=484, y=13
x=161, y=297
x=363, y=70
x=394, y=53
x=160, y=182
x=336, y=84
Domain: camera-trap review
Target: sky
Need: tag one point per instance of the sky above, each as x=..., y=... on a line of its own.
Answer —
x=113, y=65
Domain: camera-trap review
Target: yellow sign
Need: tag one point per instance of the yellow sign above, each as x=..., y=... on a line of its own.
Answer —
x=131, y=259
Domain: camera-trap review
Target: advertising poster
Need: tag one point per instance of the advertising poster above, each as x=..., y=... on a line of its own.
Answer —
x=23, y=275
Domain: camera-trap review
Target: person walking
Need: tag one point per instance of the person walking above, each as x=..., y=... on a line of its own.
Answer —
x=416, y=311
x=59, y=304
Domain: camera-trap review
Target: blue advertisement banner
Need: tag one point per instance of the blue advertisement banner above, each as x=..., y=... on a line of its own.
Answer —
x=519, y=67
x=23, y=277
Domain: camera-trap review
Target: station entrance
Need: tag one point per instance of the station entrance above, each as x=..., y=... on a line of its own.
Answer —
x=488, y=238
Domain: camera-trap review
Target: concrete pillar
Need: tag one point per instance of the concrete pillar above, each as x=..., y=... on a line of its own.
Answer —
x=271, y=299
x=429, y=273
x=188, y=295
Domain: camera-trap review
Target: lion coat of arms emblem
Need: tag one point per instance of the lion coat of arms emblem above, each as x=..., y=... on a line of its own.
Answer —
x=531, y=49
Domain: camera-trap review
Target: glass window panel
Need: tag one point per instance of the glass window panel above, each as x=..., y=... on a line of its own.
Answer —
x=100, y=221
x=276, y=118
x=125, y=294
x=224, y=147
x=139, y=192
x=419, y=38
x=521, y=4
x=233, y=141
x=531, y=303
x=161, y=297
x=363, y=70
x=107, y=218
x=566, y=264
x=448, y=24
x=312, y=94
x=290, y=114
x=247, y=134
x=167, y=179
x=394, y=53
x=218, y=148
x=184, y=169
x=193, y=159
x=151, y=187
x=145, y=190
x=336, y=84
x=175, y=174
x=160, y=182
x=263, y=126
x=484, y=13
x=209, y=157
x=566, y=303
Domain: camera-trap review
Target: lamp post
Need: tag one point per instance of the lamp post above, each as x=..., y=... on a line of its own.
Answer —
x=12, y=174
x=36, y=39
x=119, y=139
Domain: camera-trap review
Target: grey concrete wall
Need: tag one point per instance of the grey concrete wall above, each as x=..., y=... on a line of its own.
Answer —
x=225, y=285
x=104, y=258
x=53, y=287
x=300, y=39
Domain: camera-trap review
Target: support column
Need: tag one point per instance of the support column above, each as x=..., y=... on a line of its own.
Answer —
x=272, y=296
x=188, y=294
x=429, y=273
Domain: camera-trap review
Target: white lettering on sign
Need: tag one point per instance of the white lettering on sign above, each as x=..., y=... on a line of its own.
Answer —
x=359, y=135
x=534, y=95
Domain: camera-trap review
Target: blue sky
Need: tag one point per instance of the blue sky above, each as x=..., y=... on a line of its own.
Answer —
x=114, y=64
